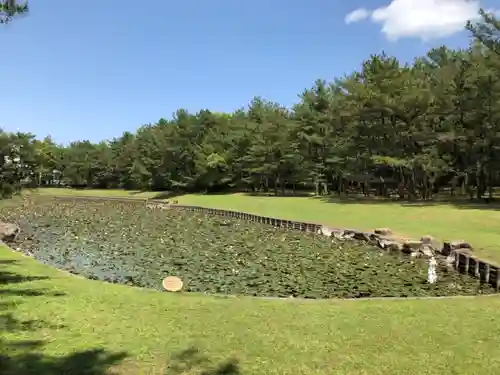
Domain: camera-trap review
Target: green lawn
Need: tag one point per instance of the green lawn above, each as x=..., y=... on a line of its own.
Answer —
x=136, y=194
x=73, y=317
x=445, y=221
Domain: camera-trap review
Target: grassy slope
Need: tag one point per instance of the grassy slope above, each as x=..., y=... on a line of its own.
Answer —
x=444, y=221
x=450, y=336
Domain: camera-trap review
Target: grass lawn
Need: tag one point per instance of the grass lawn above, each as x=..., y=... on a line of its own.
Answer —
x=78, y=325
x=136, y=194
x=458, y=220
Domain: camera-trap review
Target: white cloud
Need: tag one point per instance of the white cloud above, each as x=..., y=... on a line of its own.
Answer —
x=425, y=19
x=357, y=15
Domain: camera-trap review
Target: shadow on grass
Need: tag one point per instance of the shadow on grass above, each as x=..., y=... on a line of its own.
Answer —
x=460, y=202
x=443, y=198
x=89, y=362
x=7, y=278
x=173, y=194
x=25, y=357
x=12, y=278
x=297, y=194
x=166, y=195
x=192, y=360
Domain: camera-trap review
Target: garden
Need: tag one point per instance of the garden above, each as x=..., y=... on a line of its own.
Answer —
x=129, y=243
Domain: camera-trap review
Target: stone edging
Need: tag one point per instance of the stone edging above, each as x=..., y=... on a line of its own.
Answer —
x=457, y=253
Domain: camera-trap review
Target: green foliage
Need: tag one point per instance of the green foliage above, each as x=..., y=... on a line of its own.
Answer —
x=17, y=161
x=128, y=243
x=409, y=130
x=11, y=8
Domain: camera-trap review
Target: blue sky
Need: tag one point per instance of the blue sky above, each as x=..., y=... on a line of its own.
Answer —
x=93, y=69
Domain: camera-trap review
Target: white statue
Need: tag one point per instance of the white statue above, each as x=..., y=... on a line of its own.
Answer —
x=431, y=273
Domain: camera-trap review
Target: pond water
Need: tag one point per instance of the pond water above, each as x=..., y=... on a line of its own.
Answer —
x=132, y=244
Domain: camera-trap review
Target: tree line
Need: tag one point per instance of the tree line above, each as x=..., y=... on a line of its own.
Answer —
x=389, y=128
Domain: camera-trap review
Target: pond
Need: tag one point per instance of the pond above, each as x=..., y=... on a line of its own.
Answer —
x=126, y=242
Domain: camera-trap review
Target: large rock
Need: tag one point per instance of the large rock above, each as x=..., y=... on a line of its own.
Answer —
x=411, y=246
x=337, y=234
x=390, y=244
x=419, y=248
x=427, y=240
x=460, y=244
x=9, y=232
x=450, y=247
x=326, y=231
x=349, y=234
x=362, y=236
x=383, y=231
